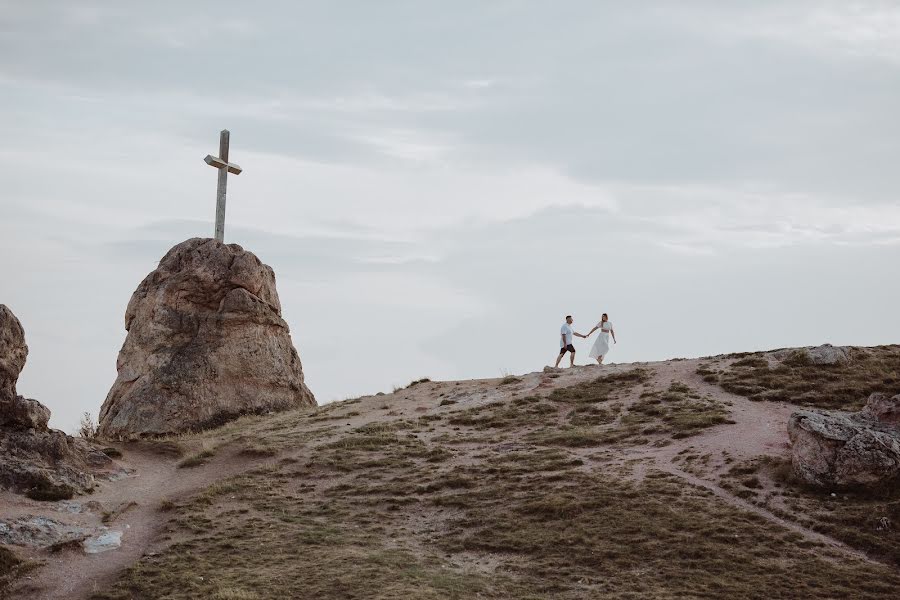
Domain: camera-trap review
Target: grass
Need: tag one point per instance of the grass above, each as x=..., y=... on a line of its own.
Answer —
x=505, y=415
x=600, y=389
x=195, y=460
x=680, y=412
x=498, y=501
x=11, y=567
x=795, y=379
x=868, y=521
x=579, y=403
x=8, y=563
x=111, y=515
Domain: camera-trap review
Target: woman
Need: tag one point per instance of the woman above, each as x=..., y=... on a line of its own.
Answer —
x=601, y=346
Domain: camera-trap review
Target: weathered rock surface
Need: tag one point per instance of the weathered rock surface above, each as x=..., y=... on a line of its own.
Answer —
x=13, y=352
x=206, y=343
x=884, y=409
x=826, y=354
x=835, y=449
x=43, y=463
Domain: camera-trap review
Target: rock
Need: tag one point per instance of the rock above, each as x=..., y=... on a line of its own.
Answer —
x=206, y=343
x=827, y=354
x=105, y=541
x=883, y=408
x=39, y=532
x=43, y=463
x=13, y=352
x=26, y=413
x=834, y=449
x=48, y=464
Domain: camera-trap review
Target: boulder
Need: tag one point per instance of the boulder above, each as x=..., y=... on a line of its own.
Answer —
x=41, y=462
x=13, y=352
x=826, y=354
x=883, y=408
x=48, y=464
x=836, y=449
x=25, y=413
x=206, y=343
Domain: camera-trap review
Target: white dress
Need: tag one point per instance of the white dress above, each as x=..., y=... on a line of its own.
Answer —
x=601, y=346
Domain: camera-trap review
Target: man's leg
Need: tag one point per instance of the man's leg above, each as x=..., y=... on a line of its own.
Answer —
x=559, y=357
x=572, y=363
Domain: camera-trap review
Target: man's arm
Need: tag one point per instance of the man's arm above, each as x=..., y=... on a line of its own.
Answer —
x=579, y=335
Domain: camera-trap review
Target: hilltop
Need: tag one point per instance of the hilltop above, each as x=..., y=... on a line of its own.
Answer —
x=666, y=479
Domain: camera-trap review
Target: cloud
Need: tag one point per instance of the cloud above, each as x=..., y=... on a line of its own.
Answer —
x=862, y=30
x=425, y=176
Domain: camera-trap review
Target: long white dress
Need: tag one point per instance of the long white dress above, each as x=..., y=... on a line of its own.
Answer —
x=601, y=346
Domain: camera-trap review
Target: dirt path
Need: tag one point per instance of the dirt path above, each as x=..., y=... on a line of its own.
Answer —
x=74, y=574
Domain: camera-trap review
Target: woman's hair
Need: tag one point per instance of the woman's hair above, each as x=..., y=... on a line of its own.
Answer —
x=604, y=316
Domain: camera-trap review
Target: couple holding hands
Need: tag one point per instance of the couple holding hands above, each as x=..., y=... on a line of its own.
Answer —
x=601, y=346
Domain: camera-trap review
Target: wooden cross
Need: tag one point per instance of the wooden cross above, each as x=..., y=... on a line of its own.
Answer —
x=224, y=167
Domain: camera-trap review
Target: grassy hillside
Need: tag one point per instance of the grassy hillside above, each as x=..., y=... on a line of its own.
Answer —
x=612, y=482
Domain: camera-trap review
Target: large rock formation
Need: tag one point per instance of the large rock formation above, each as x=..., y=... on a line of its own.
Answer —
x=206, y=343
x=835, y=449
x=13, y=352
x=41, y=462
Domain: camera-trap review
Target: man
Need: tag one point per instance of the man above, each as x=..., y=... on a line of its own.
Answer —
x=565, y=340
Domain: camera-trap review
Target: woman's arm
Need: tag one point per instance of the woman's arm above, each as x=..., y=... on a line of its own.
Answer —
x=591, y=331
x=613, y=332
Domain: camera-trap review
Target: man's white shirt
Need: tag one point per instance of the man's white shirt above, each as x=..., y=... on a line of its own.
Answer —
x=565, y=330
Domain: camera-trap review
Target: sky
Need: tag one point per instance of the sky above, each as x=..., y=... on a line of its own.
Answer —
x=437, y=184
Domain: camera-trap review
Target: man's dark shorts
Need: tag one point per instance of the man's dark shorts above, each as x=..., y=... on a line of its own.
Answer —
x=569, y=348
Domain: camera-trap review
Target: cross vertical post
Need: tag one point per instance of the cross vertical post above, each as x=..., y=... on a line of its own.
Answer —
x=221, y=163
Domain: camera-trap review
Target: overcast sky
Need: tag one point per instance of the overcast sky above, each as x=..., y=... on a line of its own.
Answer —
x=436, y=184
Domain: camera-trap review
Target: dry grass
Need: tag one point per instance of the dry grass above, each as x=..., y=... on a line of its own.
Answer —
x=195, y=460
x=418, y=530
x=111, y=515
x=795, y=379
x=12, y=567
x=867, y=521
x=8, y=562
x=500, y=502
x=680, y=412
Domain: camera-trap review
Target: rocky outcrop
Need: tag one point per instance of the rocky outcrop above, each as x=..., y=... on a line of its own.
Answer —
x=835, y=449
x=206, y=343
x=13, y=352
x=884, y=409
x=826, y=354
x=44, y=463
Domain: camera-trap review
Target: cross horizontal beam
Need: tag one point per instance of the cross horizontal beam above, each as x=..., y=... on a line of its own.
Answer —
x=221, y=164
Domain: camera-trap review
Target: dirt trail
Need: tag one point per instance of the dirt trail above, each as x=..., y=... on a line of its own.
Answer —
x=73, y=574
